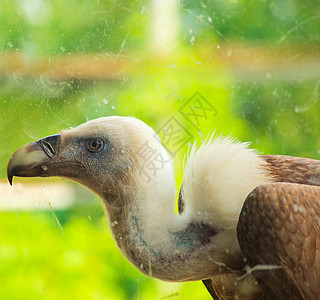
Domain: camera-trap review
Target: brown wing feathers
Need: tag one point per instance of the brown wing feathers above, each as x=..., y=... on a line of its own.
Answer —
x=279, y=225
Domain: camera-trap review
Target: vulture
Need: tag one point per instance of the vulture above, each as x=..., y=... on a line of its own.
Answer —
x=248, y=224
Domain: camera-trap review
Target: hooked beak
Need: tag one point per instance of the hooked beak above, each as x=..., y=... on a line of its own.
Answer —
x=33, y=159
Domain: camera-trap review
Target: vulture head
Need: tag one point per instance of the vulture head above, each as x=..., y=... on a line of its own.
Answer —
x=99, y=154
x=122, y=160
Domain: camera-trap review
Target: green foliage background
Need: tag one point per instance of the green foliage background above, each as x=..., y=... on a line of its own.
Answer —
x=38, y=260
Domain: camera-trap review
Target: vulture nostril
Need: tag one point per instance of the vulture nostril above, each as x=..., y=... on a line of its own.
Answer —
x=49, y=145
x=48, y=149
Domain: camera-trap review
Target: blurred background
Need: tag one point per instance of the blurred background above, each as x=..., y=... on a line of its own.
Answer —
x=241, y=67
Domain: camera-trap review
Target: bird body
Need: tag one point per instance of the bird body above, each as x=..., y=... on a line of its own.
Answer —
x=211, y=236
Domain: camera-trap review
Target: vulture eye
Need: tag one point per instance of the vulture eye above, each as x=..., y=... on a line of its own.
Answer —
x=95, y=145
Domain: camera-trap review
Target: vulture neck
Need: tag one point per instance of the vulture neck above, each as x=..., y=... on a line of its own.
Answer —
x=157, y=241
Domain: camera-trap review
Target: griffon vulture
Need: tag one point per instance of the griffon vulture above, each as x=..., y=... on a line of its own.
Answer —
x=248, y=224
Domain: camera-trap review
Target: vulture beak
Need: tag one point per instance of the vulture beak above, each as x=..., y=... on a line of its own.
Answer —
x=33, y=159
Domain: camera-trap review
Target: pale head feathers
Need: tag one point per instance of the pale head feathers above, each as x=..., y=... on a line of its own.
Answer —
x=149, y=184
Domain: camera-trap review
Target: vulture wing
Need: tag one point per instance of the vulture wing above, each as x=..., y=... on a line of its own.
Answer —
x=279, y=227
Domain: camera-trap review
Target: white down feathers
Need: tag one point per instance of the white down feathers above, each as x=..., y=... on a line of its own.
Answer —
x=217, y=179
